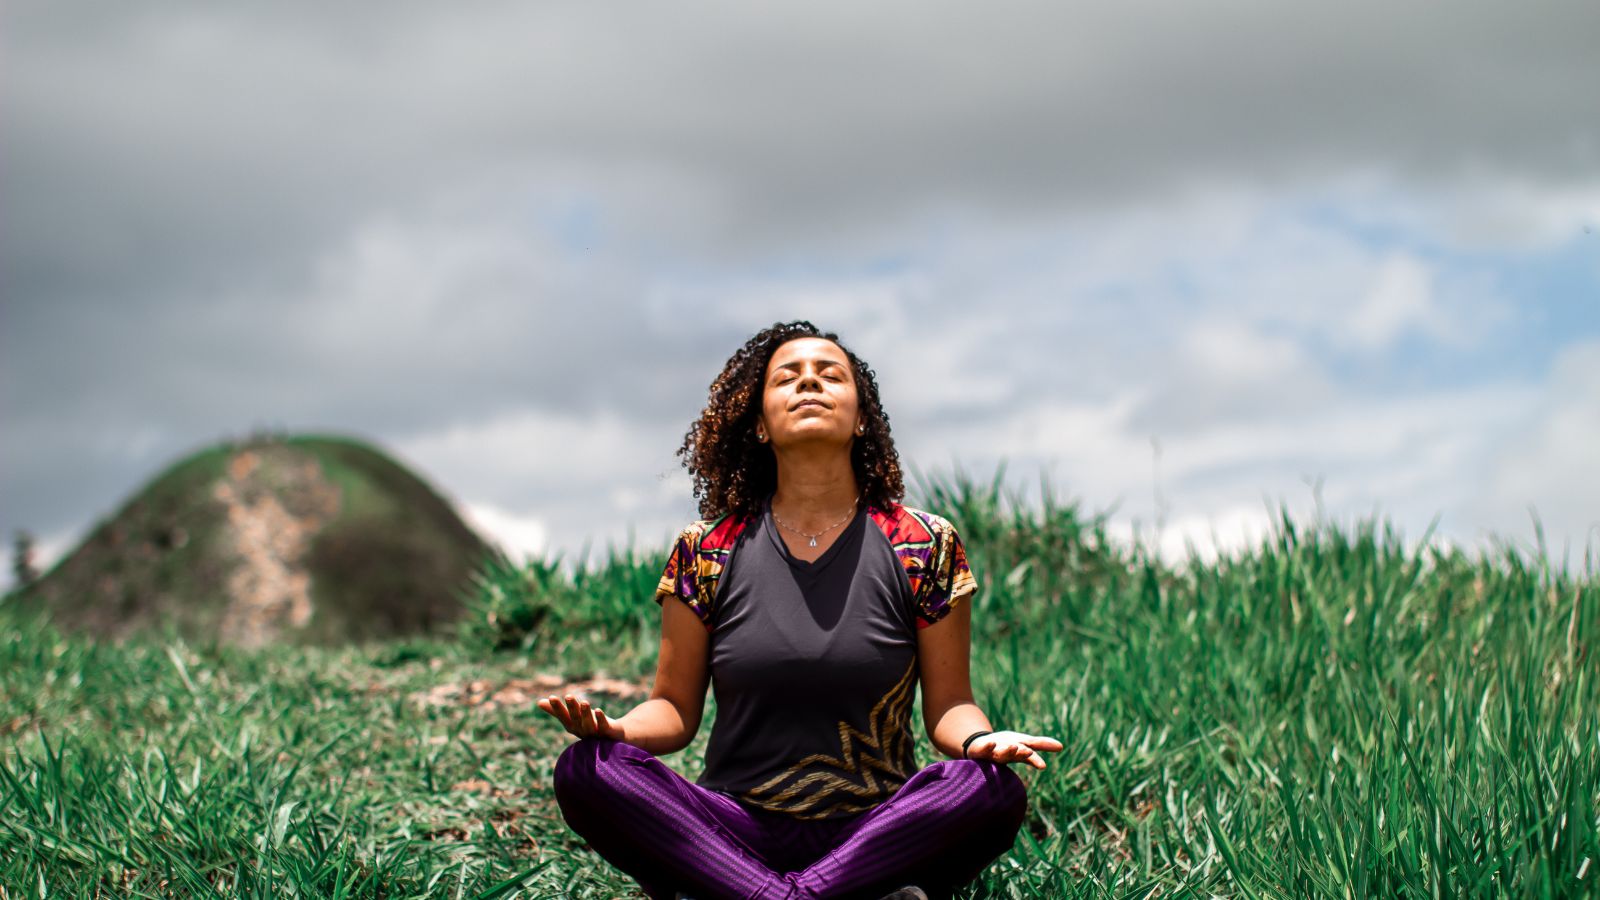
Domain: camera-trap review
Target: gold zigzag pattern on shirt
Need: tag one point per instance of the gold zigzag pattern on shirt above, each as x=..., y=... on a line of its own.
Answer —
x=885, y=747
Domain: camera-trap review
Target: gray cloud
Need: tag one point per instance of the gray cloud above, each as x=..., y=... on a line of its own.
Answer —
x=406, y=217
x=209, y=146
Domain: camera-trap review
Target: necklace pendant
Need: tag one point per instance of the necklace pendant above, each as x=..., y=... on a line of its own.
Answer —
x=813, y=542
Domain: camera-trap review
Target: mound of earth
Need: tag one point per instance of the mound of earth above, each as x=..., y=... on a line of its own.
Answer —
x=308, y=538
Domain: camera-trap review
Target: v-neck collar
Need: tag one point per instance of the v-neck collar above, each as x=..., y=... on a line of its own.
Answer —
x=827, y=556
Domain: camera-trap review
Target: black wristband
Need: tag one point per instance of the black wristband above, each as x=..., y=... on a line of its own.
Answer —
x=970, y=738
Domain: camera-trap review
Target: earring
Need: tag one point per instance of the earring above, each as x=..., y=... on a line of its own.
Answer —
x=861, y=429
x=761, y=437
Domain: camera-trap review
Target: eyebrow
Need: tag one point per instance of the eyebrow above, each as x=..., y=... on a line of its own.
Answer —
x=820, y=364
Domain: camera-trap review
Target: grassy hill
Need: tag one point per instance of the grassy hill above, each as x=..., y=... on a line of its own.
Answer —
x=307, y=538
x=1328, y=713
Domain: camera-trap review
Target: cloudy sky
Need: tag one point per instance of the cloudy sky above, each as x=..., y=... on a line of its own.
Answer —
x=1188, y=261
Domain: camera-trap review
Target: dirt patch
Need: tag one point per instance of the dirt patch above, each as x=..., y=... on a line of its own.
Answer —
x=518, y=692
x=275, y=499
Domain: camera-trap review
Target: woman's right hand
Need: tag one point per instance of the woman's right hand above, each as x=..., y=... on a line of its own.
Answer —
x=581, y=719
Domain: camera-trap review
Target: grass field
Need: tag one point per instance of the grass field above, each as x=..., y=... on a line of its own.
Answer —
x=1327, y=714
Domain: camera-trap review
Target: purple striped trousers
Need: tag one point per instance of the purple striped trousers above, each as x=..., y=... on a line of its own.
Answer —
x=939, y=831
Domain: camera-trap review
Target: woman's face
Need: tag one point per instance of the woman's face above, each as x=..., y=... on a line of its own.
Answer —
x=809, y=395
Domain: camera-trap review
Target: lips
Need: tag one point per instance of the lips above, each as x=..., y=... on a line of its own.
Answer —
x=805, y=403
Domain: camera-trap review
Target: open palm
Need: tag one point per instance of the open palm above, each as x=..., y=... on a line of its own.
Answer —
x=579, y=718
x=1013, y=746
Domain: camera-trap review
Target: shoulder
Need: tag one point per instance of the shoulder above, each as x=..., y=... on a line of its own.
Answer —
x=698, y=555
x=907, y=527
x=931, y=552
x=711, y=535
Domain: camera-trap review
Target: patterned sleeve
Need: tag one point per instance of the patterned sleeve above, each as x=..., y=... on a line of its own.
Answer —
x=952, y=580
x=680, y=577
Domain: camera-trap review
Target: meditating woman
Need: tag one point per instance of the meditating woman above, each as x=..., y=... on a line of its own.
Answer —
x=813, y=603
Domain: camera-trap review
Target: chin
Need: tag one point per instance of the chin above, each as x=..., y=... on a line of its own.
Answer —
x=817, y=436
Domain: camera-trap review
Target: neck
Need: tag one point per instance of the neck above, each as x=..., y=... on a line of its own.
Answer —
x=814, y=489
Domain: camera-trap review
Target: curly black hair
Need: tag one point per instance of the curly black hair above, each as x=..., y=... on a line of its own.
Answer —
x=734, y=473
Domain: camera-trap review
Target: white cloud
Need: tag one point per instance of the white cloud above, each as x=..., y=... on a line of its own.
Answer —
x=520, y=536
x=1510, y=213
x=1547, y=466
x=1227, y=532
x=1401, y=299
x=1233, y=355
x=561, y=482
x=545, y=450
x=1407, y=458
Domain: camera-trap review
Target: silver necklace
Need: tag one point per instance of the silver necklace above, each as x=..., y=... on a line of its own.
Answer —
x=824, y=531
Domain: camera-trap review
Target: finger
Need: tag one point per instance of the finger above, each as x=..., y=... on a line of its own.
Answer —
x=590, y=716
x=1027, y=752
x=1019, y=753
x=559, y=709
x=582, y=718
x=575, y=712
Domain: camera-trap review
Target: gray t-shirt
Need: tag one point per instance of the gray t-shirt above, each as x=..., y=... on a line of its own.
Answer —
x=814, y=664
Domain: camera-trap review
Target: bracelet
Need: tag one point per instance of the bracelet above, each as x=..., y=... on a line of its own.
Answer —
x=970, y=738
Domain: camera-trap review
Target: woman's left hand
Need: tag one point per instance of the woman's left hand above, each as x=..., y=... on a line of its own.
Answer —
x=1013, y=746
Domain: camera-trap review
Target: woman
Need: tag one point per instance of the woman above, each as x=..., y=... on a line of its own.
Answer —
x=813, y=602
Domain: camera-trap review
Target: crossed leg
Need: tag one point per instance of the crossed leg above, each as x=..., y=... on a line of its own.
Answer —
x=941, y=829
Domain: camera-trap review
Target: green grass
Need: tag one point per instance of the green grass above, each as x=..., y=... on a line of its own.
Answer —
x=1329, y=714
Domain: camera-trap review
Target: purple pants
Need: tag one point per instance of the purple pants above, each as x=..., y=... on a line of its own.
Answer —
x=939, y=831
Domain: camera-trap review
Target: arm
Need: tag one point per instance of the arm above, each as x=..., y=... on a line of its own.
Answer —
x=948, y=710
x=943, y=657
x=667, y=721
